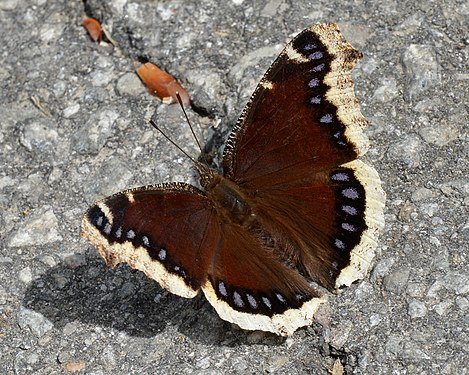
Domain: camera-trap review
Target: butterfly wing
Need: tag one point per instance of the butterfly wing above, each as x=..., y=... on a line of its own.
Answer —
x=327, y=225
x=248, y=285
x=172, y=234
x=159, y=230
x=303, y=116
x=294, y=151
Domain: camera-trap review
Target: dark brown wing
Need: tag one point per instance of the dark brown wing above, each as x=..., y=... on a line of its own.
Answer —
x=303, y=116
x=294, y=151
x=248, y=285
x=326, y=226
x=159, y=230
x=172, y=234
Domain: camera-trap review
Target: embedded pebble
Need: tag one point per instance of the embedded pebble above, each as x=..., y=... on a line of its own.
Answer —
x=240, y=365
x=203, y=363
x=361, y=34
x=60, y=281
x=238, y=71
x=34, y=321
x=407, y=150
x=275, y=363
x=412, y=350
x=208, y=85
x=39, y=135
x=429, y=209
x=421, y=69
x=375, y=319
x=75, y=260
x=71, y=110
x=421, y=193
x=8, y=4
x=455, y=188
x=443, y=307
x=440, y=260
x=387, y=91
x=363, y=291
x=55, y=175
x=24, y=361
x=112, y=176
x=6, y=260
x=48, y=260
x=416, y=309
x=271, y=8
x=406, y=211
x=454, y=281
x=256, y=337
x=102, y=77
x=394, y=344
x=53, y=28
x=33, y=187
x=416, y=289
x=42, y=227
x=91, y=135
x=427, y=104
x=364, y=360
x=439, y=133
x=69, y=328
x=6, y=181
x=74, y=366
x=435, y=288
x=340, y=334
x=130, y=84
x=465, y=228
x=462, y=303
x=3, y=296
x=109, y=355
x=410, y=25
x=396, y=281
x=381, y=269
x=458, y=282
x=25, y=275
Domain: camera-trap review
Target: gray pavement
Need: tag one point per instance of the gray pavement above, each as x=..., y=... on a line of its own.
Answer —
x=73, y=128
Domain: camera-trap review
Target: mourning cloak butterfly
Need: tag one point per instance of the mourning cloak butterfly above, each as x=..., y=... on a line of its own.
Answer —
x=293, y=213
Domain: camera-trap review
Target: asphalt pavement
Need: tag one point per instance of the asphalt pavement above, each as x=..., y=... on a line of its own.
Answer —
x=73, y=120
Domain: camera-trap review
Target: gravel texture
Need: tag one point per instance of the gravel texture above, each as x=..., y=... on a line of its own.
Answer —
x=73, y=128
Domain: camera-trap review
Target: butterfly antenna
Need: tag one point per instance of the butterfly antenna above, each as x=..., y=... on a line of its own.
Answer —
x=187, y=119
x=153, y=123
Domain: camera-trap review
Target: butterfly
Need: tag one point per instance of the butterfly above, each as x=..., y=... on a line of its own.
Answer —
x=294, y=214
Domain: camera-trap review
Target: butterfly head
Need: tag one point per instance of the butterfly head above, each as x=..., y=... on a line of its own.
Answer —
x=207, y=175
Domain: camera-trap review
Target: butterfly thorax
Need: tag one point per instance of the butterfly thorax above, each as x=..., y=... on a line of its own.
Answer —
x=228, y=198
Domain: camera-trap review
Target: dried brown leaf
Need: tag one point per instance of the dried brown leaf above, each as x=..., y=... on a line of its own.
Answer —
x=164, y=85
x=94, y=29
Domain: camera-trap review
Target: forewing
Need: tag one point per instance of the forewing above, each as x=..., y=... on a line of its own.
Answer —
x=159, y=230
x=303, y=116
